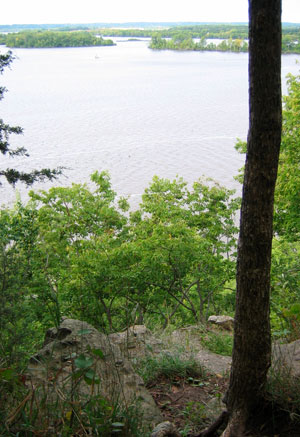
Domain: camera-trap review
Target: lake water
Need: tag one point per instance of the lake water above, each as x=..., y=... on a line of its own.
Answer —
x=129, y=110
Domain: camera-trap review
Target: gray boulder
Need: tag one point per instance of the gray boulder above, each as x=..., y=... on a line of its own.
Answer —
x=75, y=342
x=165, y=429
x=225, y=322
x=287, y=356
x=137, y=341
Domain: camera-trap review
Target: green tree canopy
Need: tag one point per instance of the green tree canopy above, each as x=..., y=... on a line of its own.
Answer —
x=287, y=199
x=50, y=38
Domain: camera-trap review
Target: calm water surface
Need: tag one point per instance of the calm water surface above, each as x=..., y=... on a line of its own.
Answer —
x=131, y=111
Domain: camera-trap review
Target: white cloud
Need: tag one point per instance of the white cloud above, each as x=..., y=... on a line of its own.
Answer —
x=87, y=11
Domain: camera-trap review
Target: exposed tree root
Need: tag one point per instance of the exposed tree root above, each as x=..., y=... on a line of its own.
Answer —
x=210, y=431
x=235, y=427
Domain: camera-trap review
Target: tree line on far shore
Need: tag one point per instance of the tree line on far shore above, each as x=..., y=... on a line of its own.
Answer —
x=39, y=39
x=194, y=37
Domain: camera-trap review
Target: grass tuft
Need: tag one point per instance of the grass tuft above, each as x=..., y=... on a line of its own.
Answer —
x=219, y=343
x=284, y=390
x=169, y=366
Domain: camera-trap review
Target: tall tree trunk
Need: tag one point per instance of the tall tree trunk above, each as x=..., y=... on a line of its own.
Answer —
x=252, y=343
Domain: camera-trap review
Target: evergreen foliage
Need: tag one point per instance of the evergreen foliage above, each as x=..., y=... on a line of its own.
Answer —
x=10, y=174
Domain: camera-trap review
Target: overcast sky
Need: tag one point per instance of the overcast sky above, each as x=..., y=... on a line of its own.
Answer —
x=91, y=11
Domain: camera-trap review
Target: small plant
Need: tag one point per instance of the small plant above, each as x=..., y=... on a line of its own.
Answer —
x=195, y=417
x=292, y=316
x=195, y=412
x=55, y=409
x=104, y=419
x=218, y=343
x=284, y=389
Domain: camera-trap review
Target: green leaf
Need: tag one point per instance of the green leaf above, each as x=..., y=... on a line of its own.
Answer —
x=98, y=353
x=77, y=374
x=87, y=380
x=84, y=331
x=83, y=362
x=7, y=374
x=90, y=377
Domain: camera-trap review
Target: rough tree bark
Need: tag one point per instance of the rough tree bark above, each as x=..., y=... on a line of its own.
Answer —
x=252, y=342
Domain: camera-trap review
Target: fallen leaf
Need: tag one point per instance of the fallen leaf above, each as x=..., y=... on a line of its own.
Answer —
x=174, y=389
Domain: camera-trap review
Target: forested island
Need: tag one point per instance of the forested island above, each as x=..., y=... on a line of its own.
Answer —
x=233, y=39
x=38, y=39
x=181, y=41
x=198, y=37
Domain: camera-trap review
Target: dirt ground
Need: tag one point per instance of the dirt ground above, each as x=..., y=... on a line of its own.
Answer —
x=192, y=404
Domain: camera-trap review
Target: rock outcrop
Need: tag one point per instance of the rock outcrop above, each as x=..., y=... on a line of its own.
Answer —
x=77, y=348
x=225, y=322
x=77, y=344
x=165, y=429
x=189, y=341
x=287, y=356
x=137, y=341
